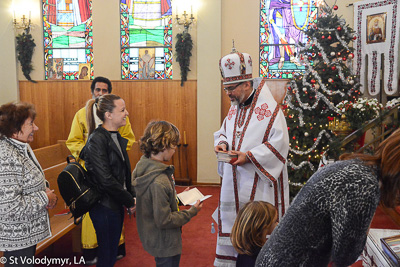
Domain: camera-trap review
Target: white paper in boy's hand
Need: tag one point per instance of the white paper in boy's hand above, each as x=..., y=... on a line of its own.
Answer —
x=201, y=199
x=191, y=196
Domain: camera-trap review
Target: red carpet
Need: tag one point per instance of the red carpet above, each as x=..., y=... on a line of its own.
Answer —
x=198, y=242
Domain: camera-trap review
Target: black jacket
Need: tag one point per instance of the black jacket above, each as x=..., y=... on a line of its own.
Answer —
x=107, y=170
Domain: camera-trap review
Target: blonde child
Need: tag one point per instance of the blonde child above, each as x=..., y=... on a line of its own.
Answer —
x=255, y=220
x=158, y=219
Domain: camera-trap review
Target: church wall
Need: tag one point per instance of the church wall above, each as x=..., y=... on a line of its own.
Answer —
x=8, y=68
x=218, y=22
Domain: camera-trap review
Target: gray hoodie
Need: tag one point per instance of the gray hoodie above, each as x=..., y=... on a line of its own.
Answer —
x=158, y=219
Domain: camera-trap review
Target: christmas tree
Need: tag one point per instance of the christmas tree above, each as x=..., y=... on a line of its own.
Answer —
x=313, y=95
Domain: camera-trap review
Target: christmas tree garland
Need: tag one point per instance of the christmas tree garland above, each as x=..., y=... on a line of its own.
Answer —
x=25, y=46
x=183, y=48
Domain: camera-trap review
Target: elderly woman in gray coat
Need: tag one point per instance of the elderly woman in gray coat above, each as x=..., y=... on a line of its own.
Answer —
x=24, y=193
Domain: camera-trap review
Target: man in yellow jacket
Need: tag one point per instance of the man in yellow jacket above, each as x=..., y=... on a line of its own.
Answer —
x=76, y=141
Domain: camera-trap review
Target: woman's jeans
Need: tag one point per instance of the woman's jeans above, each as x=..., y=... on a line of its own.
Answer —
x=108, y=226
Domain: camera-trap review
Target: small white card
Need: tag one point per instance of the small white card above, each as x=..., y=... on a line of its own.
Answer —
x=226, y=157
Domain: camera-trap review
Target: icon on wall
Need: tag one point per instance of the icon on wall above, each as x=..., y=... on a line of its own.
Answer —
x=376, y=28
x=84, y=71
x=55, y=69
x=146, y=63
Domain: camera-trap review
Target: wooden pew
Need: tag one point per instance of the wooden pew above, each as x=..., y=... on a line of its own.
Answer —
x=53, y=161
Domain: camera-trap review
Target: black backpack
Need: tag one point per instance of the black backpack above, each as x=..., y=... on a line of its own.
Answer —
x=74, y=189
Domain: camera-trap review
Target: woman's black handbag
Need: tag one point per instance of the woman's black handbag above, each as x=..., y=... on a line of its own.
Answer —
x=72, y=183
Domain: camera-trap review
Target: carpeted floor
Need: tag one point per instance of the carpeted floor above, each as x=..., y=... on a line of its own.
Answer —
x=198, y=241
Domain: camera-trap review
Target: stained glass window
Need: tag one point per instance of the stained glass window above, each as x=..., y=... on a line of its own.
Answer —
x=282, y=25
x=68, y=39
x=146, y=39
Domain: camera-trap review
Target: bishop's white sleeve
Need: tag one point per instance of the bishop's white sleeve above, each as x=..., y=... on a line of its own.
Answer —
x=269, y=158
x=220, y=136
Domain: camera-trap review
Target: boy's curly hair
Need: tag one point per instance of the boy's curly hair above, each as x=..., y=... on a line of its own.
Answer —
x=158, y=136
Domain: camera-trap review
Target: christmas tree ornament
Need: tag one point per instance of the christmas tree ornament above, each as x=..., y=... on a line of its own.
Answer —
x=304, y=89
x=323, y=37
x=333, y=54
x=306, y=134
x=329, y=37
x=344, y=58
x=339, y=28
x=313, y=81
x=330, y=80
x=339, y=54
x=335, y=7
x=351, y=55
x=333, y=68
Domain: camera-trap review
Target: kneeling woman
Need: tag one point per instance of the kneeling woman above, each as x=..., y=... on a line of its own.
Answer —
x=109, y=171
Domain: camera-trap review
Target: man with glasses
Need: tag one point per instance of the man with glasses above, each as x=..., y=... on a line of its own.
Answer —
x=255, y=132
x=76, y=141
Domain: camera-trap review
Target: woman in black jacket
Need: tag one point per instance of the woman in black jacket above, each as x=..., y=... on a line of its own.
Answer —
x=109, y=171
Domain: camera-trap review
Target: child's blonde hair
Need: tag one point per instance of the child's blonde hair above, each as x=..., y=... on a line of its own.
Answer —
x=158, y=136
x=251, y=226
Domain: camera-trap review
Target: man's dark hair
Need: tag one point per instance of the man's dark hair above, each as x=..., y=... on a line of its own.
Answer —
x=101, y=80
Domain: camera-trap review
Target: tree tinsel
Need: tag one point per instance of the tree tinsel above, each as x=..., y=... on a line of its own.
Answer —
x=25, y=46
x=313, y=95
x=183, y=48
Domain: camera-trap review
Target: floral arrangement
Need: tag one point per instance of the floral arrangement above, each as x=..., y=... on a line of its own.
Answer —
x=392, y=103
x=361, y=111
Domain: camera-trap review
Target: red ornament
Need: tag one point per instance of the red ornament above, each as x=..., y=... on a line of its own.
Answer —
x=335, y=7
x=315, y=139
x=313, y=81
x=351, y=55
x=294, y=137
x=323, y=70
x=333, y=68
x=309, y=58
x=319, y=54
x=354, y=37
x=323, y=37
x=339, y=28
x=329, y=37
x=344, y=58
x=338, y=53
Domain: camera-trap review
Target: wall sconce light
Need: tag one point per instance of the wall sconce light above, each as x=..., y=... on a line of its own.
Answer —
x=24, y=24
x=184, y=20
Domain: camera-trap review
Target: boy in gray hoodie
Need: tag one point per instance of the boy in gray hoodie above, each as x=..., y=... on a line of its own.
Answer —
x=158, y=217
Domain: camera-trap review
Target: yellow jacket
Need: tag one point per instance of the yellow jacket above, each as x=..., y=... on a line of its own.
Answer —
x=79, y=133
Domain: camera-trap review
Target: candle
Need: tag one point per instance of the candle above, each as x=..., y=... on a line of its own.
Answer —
x=184, y=137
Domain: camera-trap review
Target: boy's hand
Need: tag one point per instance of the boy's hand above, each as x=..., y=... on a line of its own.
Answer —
x=198, y=205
